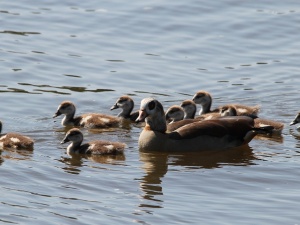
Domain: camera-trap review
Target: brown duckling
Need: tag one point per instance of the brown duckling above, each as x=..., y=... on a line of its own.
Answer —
x=90, y=120
x=15, y=140
x=126, y=104
x=94, y=147
x=205, y=100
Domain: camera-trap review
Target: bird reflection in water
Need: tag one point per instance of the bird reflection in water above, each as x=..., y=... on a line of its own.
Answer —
x=156, y=164
x=76, y=161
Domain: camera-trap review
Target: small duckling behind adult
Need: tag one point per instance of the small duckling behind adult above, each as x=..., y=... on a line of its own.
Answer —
x=90, y=120
x=15, y=140
x=180, y=116
x=94, y=147
x=126, y=104
x=205, y=100
x=230, y=110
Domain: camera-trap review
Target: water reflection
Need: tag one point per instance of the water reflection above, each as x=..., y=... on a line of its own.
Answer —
x=42, y=88
x=155, y=165
x=13, y=154
x=296, y=134
x=270, y=137
x=75, y=161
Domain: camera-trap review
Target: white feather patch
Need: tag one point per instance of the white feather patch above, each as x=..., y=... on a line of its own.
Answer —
x=241, y=110
x=92, y=146
x=104, y=120
x=15, y=140
x=109, y=147
x=85, y=119
x=2, y=138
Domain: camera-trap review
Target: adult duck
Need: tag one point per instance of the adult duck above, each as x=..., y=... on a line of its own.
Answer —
x=219, y=133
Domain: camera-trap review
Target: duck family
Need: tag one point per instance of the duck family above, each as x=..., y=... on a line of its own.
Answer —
x=175, y=129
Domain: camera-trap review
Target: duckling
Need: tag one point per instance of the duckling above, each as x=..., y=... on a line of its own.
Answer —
x=221, y=133
x=91, y=120
x=180, y=116
x=189, y=108
x=15, y=140
x=174, y=113
x=296, y=120
x=205, y=100
x=175, y=116
x=230, y=110
x=94, y=147
x=126, y=104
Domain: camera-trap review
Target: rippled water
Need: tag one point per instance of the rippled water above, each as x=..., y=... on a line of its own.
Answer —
x=92, y=52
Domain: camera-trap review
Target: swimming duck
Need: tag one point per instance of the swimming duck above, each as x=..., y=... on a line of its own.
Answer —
x=179, y=116
x=94, y=147
x=189, y=108
x=174, y=113
x=126, y=104
x=205, y=100
x=296, y=120
x=221, y=133
x=230, y=110
x=90, y=120
x=15, y=140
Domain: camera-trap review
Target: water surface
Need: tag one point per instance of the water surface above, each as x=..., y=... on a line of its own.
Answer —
x=93, y=52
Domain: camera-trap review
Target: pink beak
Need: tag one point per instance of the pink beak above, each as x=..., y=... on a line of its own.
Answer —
x=142, y=116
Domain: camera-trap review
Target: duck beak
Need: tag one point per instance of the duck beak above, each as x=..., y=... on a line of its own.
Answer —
x=58, y=113
x=115, y=106
x=142, y=116
x=293, y=122
x=65, y=140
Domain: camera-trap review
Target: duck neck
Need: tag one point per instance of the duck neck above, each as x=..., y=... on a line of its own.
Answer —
x=125, y=113
x=206, y=105
x=189, y=114
x=68, y=119
x=157, y=122
x=73, y=146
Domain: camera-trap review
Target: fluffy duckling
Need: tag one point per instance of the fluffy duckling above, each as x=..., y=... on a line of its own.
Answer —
x=175, y=116
x=218, y=133
x=126, y=104
x=205, y=100
x=230, y=110
x=174, y=113
x=296, y=120
x=15, y=140
x=94, y=147
x=189, y=108
x=179, y=116
x=90, y=120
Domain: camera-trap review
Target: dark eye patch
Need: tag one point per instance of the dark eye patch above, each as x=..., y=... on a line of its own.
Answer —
x=224, y=109
x=121, y=100
x=151, y=105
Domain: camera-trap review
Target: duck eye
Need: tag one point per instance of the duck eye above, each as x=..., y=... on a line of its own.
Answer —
x=151, y=105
